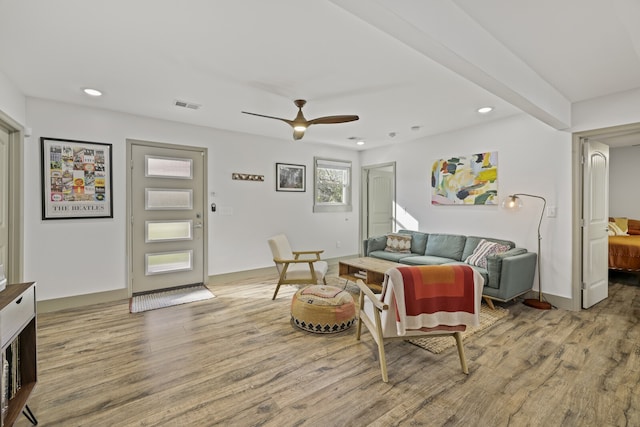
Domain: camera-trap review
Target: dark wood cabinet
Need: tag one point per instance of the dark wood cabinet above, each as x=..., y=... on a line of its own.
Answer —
x=18, y=338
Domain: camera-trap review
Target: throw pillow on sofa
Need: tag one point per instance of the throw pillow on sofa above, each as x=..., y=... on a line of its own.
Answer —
x=399, y=243
x=483, y=250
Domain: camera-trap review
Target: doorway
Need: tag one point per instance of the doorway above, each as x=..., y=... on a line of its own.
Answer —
x=582, y=245
x=378, y=200
x=11, y=199
x=167, y=229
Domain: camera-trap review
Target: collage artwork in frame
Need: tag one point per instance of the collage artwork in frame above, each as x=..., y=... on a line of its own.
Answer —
x=465, y=180
x=76, y=179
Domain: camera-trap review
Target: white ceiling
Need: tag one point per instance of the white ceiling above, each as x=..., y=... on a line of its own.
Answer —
x=395, y=63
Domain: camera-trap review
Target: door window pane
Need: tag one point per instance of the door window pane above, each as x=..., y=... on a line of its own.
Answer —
x=168, y=199
x=168, y=231
x=168, y=262
x=166, y=167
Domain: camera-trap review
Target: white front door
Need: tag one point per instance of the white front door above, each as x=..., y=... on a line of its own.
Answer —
x=4, y=198
x=168, y=227
x=595, y=216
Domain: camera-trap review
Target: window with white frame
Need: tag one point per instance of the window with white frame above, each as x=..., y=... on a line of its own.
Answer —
x=332, y=189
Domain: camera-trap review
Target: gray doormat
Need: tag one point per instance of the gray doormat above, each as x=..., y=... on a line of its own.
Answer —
x=152, y=301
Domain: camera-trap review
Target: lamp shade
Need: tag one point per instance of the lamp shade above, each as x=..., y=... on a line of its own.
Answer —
x=512, y=202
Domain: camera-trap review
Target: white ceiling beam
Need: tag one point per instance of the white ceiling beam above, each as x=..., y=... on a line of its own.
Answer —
x=443, y=32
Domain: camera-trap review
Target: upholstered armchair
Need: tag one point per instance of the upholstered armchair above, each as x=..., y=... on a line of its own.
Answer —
x=296, y=267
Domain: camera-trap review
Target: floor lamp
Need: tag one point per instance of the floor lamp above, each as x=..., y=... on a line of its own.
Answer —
x=515, y=202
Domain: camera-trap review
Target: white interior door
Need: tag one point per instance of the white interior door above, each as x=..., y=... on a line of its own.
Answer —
x=595, y=215
x=168, y=220
x=4, y=198
x=380, y=201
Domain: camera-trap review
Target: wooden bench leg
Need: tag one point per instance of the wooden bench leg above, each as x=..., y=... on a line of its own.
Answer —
x=489, y=302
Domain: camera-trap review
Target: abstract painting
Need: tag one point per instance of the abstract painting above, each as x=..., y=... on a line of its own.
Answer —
x=465, y=180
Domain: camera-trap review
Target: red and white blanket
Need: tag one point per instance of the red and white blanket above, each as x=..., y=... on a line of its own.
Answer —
x=435, y=296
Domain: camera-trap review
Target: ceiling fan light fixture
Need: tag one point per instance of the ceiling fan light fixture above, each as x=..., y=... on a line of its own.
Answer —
x=92, y=92
x=300, y=128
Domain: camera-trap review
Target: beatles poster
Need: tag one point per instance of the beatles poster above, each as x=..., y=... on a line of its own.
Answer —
x=76, y=179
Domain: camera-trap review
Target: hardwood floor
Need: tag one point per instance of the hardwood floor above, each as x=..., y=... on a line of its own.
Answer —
x=236, y=360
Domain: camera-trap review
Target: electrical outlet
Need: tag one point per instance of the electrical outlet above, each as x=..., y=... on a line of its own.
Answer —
x=338, y=244
x=551, y=212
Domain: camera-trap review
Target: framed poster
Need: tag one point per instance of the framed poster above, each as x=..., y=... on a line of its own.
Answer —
x=290, y=177
x=76, y=179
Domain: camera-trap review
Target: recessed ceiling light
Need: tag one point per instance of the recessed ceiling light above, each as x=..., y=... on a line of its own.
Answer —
x=360, y=142
x=92, y=92
x=485, y=110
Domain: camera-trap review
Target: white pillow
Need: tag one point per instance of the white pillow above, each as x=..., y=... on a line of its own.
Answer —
x=483, y=250
x=615, y=230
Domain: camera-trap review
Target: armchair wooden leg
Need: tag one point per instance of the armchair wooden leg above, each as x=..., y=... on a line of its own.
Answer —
x=489, y=302
x=276, y=292
x=383, y=361
x=463, y=360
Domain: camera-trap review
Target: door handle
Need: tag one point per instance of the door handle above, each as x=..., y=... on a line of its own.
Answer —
x=197, y=225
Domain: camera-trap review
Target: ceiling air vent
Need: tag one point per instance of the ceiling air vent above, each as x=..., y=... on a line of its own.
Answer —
x=185, y=104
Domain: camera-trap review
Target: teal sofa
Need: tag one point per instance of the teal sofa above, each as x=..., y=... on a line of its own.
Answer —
x=507, y=275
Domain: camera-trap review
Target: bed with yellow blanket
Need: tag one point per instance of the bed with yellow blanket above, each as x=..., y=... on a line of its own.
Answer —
x=624, y=244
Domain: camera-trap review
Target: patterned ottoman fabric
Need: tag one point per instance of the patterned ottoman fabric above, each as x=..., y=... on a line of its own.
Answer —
x=323, y=309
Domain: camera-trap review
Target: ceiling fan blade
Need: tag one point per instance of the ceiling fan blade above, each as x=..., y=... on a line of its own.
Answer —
x=332, y=119
x=289, y=122
x=300, y=124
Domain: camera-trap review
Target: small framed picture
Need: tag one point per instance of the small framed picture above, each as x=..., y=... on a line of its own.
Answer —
x=290, y=177
x=76, y=179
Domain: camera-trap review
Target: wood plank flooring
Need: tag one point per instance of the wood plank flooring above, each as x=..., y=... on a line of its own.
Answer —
x=236, y=360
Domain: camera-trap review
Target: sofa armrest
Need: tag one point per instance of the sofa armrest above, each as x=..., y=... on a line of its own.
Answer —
x=516, y=274
x=494, y=265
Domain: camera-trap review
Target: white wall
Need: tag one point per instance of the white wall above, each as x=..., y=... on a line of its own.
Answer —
x=532, y=158
x=66, y=261
x=75, y=257
x=624, y=176
x=12, y=101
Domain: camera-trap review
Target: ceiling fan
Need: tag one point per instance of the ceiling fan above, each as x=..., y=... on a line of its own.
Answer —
x=300, y=124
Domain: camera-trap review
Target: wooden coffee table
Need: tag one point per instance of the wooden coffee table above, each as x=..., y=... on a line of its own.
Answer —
x=370, y=270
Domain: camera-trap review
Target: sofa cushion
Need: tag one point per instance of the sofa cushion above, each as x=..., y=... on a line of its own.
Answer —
x=446, y=246
x=376, y=244
x=425, y=260
x=483, y=250
x=389, y=256
x=473, y=241
x=400, y=243
x=418, y=241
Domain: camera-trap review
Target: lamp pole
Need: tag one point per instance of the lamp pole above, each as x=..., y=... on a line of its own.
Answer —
x=532, y=302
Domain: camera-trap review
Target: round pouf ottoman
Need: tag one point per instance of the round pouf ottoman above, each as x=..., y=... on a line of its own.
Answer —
x=323, y=309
